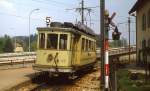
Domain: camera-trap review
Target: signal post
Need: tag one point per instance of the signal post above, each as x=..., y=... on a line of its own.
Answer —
x=115, y=36
x=105, y=22
x=106, y=52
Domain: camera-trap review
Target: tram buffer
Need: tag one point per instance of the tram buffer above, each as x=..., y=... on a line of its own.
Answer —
x=115, y=36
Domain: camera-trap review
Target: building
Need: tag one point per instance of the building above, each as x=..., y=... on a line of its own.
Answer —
x=142, y=10
x=18, y=48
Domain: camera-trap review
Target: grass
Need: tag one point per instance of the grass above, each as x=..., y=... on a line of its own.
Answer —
x=126, y=84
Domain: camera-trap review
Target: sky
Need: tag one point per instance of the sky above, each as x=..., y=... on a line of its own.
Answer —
x=14, y=14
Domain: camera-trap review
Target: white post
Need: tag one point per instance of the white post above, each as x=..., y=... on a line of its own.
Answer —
x=29, y=26
x=106, y=65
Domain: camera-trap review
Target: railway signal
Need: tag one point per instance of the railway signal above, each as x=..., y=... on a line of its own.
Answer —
x=107, y=21
x=116, y=36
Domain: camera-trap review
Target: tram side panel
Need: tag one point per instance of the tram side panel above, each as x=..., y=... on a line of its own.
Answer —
x=88, y=54
x=85, y=53
x=76, y=52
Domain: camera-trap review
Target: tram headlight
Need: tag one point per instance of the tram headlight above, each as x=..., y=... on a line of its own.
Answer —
x=50, y=58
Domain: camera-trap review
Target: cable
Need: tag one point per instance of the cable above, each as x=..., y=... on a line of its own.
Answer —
x=24, y=5
x=56, y=4
x=61, y=3
x=94, y=20
x=17, y=16
x=12, y=15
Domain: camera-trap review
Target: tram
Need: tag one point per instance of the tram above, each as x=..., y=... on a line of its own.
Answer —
x=65, y=48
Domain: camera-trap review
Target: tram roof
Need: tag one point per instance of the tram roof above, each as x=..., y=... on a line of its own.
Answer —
x=72, y=30
x=69, y=27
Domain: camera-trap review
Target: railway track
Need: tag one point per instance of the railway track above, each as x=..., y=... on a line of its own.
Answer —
x=86, y=81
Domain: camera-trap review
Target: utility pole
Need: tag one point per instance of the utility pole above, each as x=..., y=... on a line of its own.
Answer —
x=82, y=10
x=102, y=36
x=129, y=22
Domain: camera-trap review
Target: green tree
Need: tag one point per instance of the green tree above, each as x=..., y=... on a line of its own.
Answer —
x=98, y=40
x=34, y=46
x=118, y=43
x=124, y=41
x=33, y=42
x=1, y=44
x=8, y=46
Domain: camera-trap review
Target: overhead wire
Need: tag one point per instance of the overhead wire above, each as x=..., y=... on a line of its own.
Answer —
x=12, y=15
x=38, y=1
x=54, y=3
x=17, y=16
x=20, y=4
x=58, y=2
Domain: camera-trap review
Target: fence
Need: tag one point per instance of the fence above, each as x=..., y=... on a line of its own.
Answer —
x=17, y=58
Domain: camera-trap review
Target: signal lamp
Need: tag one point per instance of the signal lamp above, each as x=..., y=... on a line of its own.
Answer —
x=116, y=34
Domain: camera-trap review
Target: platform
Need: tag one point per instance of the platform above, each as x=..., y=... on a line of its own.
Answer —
x=12, y=77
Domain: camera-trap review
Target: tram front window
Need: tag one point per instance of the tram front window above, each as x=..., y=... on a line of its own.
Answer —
x=52, y=41
x=41, y=40
x=63, y=42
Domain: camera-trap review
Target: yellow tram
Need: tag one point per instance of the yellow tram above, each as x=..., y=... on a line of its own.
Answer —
x=65, y=48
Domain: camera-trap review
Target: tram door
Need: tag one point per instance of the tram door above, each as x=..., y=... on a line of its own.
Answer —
x=75, y=49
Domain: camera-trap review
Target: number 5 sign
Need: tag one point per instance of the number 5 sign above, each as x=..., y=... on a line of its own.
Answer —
x=48, y=21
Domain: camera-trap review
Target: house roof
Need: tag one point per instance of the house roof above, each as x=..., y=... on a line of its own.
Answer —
x=138, y=4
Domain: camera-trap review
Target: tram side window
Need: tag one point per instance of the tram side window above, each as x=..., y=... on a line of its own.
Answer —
x=63, y=41
x=94, y=45
x=86, y=44
x=52, y=41
x=42, y=40
x=90, y=45
x=83, y=44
